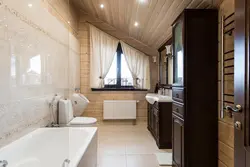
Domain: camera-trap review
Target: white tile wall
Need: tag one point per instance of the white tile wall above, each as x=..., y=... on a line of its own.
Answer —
x=38, y=58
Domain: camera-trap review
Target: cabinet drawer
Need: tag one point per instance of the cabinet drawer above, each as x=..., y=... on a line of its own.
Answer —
x=178, y=109
x=178, y=94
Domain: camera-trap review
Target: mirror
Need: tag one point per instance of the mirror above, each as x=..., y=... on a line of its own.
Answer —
x=165, y=65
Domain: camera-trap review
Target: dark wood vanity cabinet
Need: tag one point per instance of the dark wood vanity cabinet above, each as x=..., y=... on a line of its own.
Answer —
x=194, y=110
x=160, y=124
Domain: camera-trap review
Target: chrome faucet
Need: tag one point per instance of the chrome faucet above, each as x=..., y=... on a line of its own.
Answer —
x=52, y=125
x=3, y=163
x=66, y=161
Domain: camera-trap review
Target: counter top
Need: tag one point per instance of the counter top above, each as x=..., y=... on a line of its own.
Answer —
x=152, y=98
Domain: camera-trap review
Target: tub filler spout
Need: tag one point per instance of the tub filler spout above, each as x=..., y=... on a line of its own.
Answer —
x=66, y=163
x=3, y=163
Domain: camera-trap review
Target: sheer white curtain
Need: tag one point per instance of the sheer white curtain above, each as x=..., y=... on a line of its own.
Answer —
x=138, y=64
x=103, y=47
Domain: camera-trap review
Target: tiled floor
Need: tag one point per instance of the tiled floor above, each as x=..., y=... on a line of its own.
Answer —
x=126, y=146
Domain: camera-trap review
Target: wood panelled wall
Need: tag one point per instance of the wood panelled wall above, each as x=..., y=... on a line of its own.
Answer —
x=226, y=129
x=95, y=108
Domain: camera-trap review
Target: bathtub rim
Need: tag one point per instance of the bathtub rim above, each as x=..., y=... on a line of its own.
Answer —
x=74, y=162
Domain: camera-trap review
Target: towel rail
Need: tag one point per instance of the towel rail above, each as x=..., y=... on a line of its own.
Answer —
x=222, y=56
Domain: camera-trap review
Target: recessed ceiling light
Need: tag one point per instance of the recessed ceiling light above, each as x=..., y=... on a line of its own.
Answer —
x=143, y=1
x=69, y=22
x=136, y=24
x=30, y=5
x=102, y=6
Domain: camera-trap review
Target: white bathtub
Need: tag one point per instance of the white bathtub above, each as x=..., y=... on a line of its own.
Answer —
x=49, y=147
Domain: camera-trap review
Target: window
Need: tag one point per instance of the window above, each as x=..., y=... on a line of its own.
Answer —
x=110, y=79
x=119, y=75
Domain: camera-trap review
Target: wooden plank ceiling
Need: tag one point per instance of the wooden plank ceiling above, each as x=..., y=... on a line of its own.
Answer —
x=154, y=17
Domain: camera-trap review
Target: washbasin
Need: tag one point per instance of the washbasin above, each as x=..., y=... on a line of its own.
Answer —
x=153, y=97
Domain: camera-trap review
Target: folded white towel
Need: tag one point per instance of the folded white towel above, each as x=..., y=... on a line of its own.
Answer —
x=164, y=159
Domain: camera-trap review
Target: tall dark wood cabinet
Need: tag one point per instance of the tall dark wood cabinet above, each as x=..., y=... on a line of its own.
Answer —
x=195, y=116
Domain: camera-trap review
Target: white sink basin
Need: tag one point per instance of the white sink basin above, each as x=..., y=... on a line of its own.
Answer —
x=152, y=98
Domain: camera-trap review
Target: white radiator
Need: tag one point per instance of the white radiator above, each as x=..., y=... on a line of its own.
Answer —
x=119, y=109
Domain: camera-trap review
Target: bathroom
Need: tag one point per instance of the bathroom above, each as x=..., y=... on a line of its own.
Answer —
x=68, y=100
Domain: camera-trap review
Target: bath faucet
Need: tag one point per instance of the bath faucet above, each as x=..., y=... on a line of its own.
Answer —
x=3, y=163
x=66, y=161
x=52, y=125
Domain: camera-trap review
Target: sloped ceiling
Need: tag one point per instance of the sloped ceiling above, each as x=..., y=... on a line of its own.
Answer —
x=155, y=17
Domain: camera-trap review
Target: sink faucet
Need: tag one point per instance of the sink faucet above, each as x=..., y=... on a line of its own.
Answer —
x=163, y=92
x=3, y=163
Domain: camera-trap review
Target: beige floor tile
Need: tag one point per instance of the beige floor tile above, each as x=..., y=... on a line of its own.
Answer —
x=112, y=161
x=122, y=128
x=106, y=136
x=141, y=161
x=137, y=147
x=112, y=148
x=126, y=146
x=140, y=136
x=125, y=136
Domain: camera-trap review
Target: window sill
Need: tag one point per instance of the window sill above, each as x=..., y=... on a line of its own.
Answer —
x=117, y=89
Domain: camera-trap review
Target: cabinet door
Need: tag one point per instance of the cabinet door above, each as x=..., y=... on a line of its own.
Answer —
x=157, y=128
x=149, y=116
x=178, y=141
x=156, y=123
x=152, y=119
x=178, y=53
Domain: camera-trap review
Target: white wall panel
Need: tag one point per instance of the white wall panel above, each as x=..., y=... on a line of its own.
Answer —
x=36, y=53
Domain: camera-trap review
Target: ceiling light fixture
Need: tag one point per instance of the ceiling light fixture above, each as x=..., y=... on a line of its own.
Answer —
x=102, y=6
x=69, y=22
x=30, y=5
x=136, y=24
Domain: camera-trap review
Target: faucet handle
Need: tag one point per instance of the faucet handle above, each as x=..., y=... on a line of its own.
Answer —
x=3, y=163
x=66, y=162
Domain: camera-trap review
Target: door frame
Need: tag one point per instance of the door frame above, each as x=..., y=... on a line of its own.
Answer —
x=241, y=81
